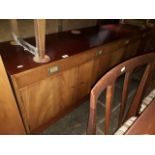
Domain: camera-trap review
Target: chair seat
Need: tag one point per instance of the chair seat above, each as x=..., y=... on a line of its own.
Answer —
x=147, y=100
x=126, y=126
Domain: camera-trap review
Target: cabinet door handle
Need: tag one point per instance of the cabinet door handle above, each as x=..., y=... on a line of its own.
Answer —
x=53, y=69
x=127, y=42
x=99, y=52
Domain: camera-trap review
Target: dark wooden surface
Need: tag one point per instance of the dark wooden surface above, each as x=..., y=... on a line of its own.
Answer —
x=65, y=43
x=145, y=124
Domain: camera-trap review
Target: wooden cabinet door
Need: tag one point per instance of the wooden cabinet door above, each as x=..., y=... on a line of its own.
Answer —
x=131, y=49
x=85, y=75
x=104, y=62
x=101, y=64
x=116, y=57
x=10, y=120
x=143, y=44
x=150, y=42
x=46, y=100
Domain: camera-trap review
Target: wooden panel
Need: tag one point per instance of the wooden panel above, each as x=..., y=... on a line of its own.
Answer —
x=116, y=57
x=10, y=120
x=85, y=74
x=100, y=66
x=46, y=99
x=131, y=49
x=106, y=57
x=150, y=43
x=143, y=43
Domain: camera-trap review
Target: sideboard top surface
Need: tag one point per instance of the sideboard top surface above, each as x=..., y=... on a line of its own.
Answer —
x=63, y=43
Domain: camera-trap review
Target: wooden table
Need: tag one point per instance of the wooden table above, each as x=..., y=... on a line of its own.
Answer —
x=145, y=124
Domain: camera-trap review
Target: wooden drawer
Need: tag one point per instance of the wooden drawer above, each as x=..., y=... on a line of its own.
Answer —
x=31, y=76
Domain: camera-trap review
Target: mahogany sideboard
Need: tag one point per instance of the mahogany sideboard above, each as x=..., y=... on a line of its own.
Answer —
x=43, y=93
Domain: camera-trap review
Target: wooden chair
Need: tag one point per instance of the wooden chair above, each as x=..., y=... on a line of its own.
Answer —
x=107, y=82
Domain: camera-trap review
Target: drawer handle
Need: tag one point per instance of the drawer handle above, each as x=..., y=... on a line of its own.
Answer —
x=127, y=42
x=100, y=52
x=53, y=69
